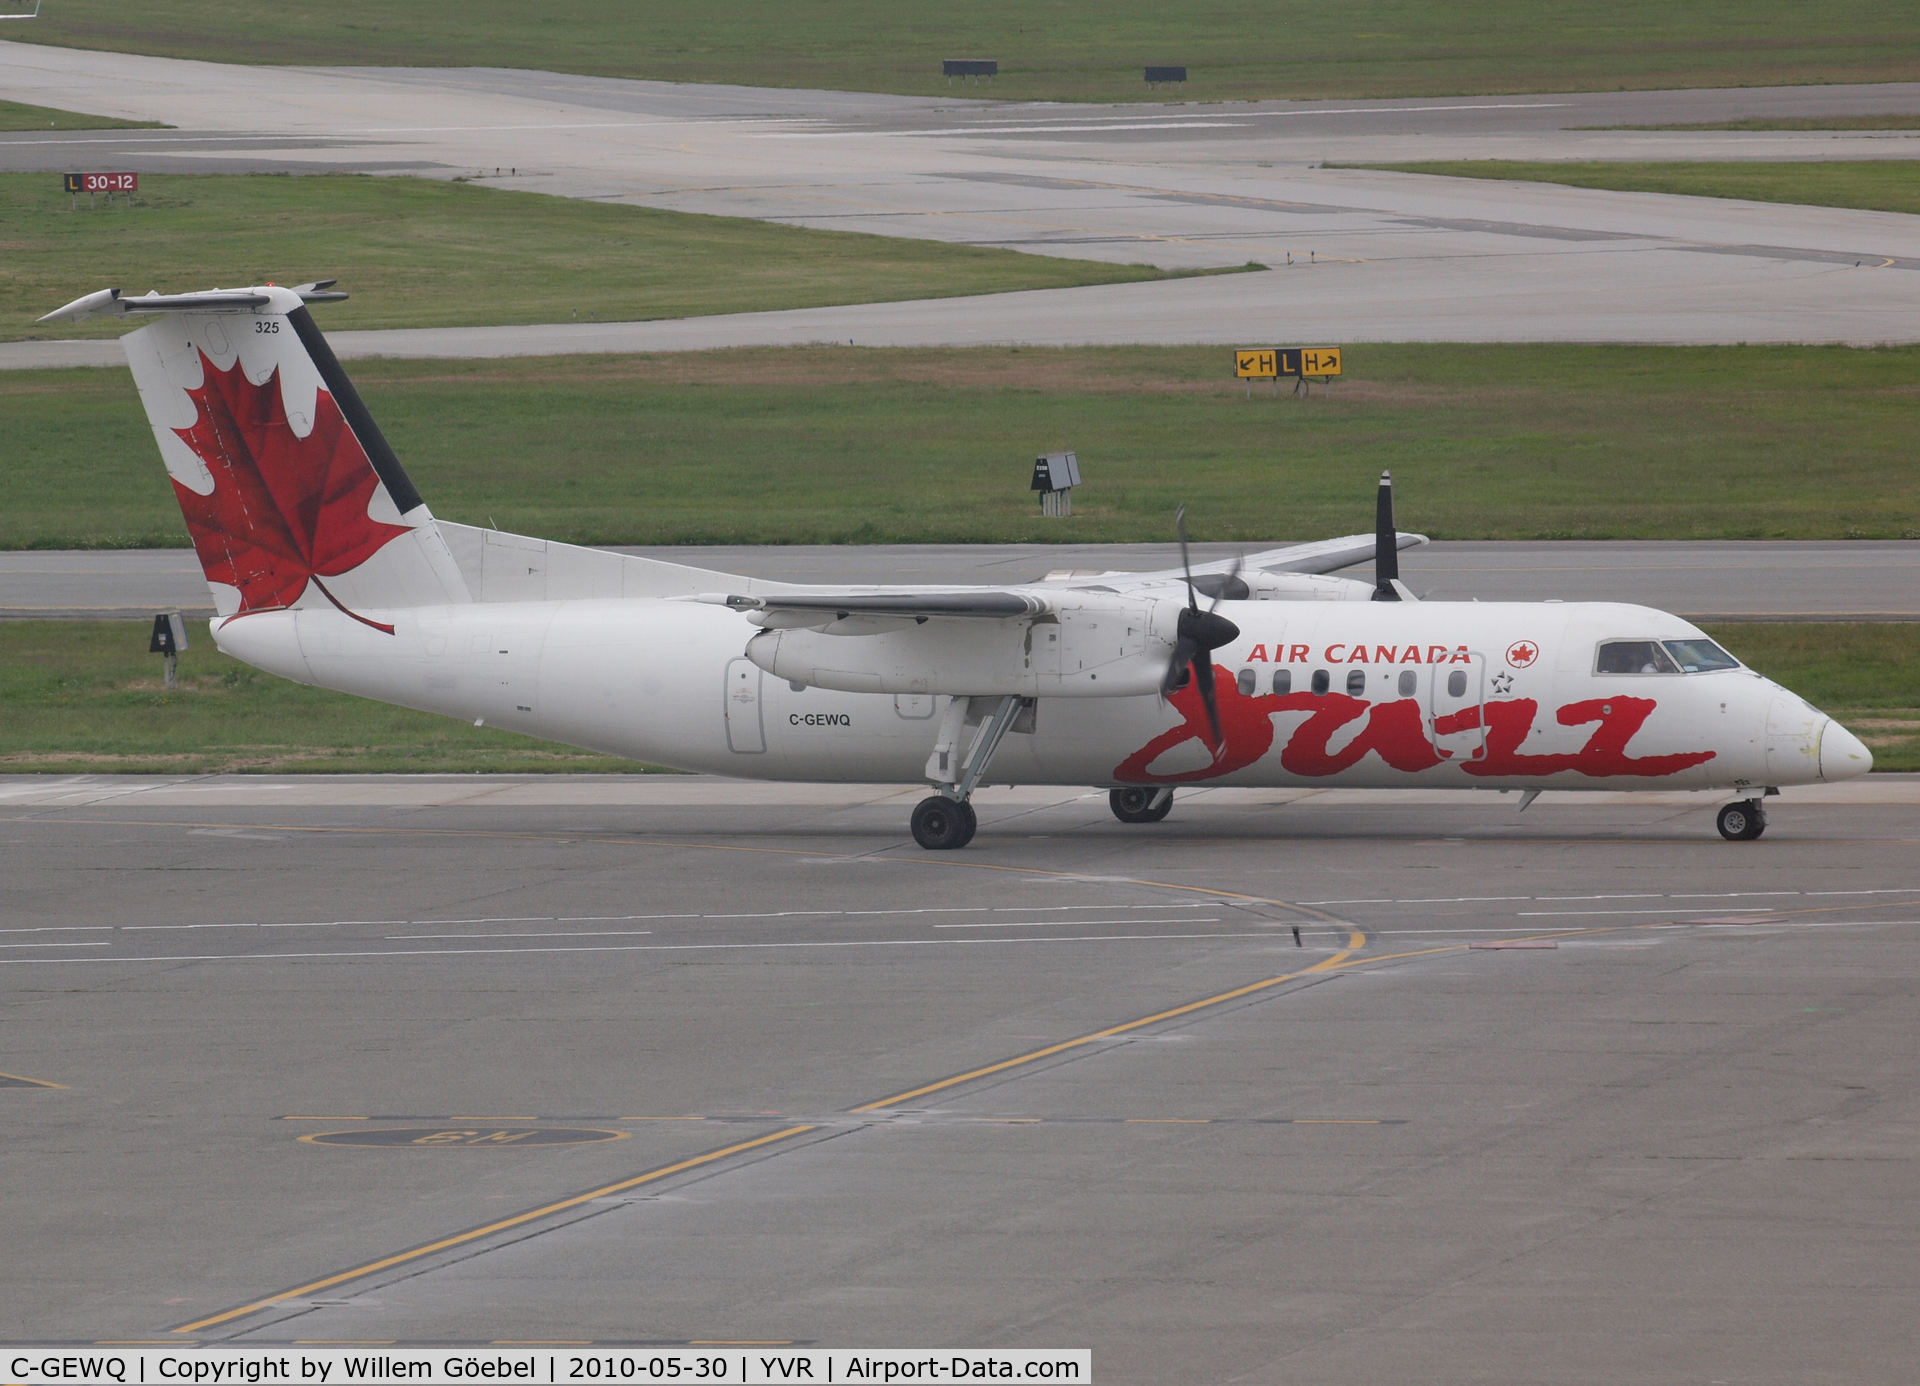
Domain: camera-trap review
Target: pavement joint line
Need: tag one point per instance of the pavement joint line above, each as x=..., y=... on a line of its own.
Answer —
x=499, y=1225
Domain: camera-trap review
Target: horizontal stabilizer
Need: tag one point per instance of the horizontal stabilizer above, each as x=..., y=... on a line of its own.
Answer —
x=113, y=303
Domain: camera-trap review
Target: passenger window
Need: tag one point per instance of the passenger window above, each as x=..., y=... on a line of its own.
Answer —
x=1321, y=682
x=1283, y=680
x=1245, y=681
x=1700, y=656
x=1457, y=684
x=1634, y=657
x=1406, y=683
x=1356, y=682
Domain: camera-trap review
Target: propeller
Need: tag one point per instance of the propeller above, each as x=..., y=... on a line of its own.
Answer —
x=1386, y=544
x=1199, y=633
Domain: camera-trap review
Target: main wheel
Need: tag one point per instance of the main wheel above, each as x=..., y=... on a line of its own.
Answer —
x=1742, y=822
x=1132, y=803
x=941, y=824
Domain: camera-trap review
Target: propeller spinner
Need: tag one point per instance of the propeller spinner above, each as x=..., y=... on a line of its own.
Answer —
x=1198, y=634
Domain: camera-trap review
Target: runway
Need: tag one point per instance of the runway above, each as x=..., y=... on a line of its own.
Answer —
x=1853, y=580
x=679, y=1059
x=1355, y=255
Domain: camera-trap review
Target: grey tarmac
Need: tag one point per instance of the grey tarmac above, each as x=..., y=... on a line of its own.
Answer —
x=1852, y=580
x=1075, y=1086
x=1354, y=255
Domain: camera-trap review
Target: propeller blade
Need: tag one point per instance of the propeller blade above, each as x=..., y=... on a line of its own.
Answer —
x=1184, y=652
x=1386, y=544
x=1203, y=679
x=1199, y=633
x=1186, y=563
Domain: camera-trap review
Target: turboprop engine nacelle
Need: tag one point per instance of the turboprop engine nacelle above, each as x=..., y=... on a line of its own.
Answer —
x=1103, y=650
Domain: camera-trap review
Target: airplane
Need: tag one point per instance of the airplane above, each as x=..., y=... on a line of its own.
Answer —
x=327, y=567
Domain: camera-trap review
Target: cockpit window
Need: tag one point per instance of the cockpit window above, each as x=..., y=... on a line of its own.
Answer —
x=1700, y=656
x=1634, y=657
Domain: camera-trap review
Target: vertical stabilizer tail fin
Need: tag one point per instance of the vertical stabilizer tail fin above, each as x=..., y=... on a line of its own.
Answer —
x=291, y=493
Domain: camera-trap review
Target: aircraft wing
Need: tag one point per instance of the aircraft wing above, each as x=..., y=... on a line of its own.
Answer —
x=1320, y=556
x=867, y=610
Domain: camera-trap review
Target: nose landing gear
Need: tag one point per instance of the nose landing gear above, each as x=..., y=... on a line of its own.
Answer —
x=1742, y=822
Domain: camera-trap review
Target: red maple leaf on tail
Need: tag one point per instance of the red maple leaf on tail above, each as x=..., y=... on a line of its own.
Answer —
x=284, y=510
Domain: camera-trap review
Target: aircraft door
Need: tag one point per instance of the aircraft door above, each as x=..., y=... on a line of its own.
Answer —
x=1456, y=707
x=745, y=731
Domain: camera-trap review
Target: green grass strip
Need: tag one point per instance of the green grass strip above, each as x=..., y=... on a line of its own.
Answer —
x=1055, y=49
x=847, y=445
x=1880, y=185
x=15, y=116
x=86, y=697
x=418, y=253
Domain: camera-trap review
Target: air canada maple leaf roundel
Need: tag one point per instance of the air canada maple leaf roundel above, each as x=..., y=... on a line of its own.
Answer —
x=1522, y=653
x=284, y=510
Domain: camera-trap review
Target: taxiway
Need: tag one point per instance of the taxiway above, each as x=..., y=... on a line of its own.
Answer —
x=676, y=1059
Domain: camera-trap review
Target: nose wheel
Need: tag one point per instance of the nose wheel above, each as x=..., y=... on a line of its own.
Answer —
x=941, y=824
x=1742, y=822
x=1132, y=803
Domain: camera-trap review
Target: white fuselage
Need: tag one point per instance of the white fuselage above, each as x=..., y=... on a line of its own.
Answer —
x=1434, y=694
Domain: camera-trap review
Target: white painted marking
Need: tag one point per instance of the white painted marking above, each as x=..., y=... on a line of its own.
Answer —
x=151, y=928
x=571, y=933
x=59, y=929
x=645, y=918
x=1647, y=895
x=647, y=948
x=1538, y=914
x=76, y=943
x=1061, y=923
x=1430, y=900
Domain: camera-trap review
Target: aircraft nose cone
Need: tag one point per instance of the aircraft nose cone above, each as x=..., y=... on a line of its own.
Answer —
x=1841, y=755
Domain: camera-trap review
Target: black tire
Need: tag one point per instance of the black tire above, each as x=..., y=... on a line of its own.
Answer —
x=941, y=824
x=1135, y=803
x=1742, y=822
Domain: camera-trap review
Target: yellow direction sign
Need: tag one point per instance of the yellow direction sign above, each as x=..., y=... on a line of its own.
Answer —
x=1256, y=363
x=1315, y=361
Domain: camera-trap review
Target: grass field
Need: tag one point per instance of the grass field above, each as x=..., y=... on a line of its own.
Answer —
x=1057, y=49
x=1881, y=185
x=417, y=253
x=845, y=445
x=1868, y=676
x=85, y=697
x=14, y=116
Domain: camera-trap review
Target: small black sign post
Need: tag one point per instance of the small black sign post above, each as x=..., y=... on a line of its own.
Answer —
x=1054, y=476
x=1157, y=75
x=951, y=68
x=169, y=638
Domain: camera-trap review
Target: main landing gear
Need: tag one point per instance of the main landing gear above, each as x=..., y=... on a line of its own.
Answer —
x=1742, y=822
x=1133, y=803
x=970, y=732
x=941, y=824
